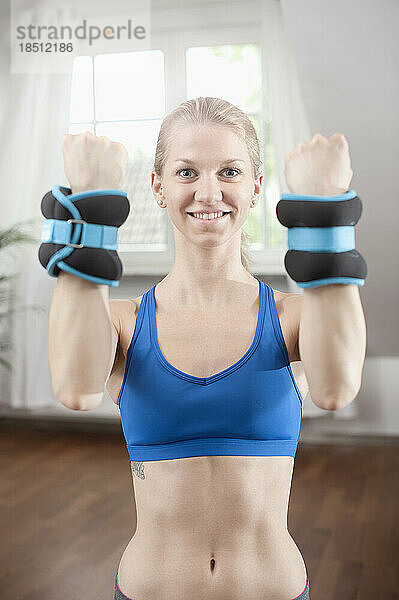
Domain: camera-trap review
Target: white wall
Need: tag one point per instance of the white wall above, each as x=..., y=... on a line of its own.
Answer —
x=348, y=59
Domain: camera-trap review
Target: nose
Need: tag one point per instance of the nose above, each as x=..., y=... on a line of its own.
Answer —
x=208, y=191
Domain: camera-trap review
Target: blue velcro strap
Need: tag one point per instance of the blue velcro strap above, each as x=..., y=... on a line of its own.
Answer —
x=68, y=201
x=321, y=239
x=65, y=267
x=92, y=235
x=346, y=196
x=329, y=281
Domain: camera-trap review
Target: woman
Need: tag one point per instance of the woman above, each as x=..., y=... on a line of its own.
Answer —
x=211, y=522
x=200, y=368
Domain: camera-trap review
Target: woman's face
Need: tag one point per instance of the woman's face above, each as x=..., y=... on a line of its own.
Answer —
x=208, y=170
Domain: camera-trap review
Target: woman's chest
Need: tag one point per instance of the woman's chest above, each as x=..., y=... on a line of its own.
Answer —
x=205, y=344
x=202, y=346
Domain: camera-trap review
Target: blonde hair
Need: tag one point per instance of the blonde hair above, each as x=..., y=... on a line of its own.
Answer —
x=201, y=111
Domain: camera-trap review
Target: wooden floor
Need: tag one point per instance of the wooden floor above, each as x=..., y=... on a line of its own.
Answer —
x=66, y=515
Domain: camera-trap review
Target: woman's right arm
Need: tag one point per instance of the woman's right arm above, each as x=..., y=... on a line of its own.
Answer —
x=82, y=341
x=83, y=337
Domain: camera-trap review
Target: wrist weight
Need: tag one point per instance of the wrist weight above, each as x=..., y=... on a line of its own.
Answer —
x=80, y=233
x=321, y=239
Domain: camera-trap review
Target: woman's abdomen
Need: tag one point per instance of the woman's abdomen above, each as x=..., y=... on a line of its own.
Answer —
x=248, y=564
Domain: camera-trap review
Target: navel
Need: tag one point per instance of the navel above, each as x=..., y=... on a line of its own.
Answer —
x=212, y=564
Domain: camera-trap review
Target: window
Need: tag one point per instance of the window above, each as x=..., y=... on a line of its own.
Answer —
x=123, y=96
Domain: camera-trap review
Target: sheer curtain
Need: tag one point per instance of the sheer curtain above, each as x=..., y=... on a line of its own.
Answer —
x=34, y=114
x=282, y=94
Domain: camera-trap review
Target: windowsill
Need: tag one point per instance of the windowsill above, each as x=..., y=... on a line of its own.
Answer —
x=270, y=262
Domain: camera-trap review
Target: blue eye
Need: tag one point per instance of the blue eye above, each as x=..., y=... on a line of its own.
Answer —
x=181, y=170
x=236, y=170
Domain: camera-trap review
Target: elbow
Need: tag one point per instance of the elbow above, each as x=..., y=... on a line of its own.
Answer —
x=71, y=403
x=75, y=401
x=346, y=397
x=326, y=403
x=337, y=399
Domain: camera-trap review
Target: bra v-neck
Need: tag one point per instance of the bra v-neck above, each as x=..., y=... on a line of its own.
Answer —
x=216, y=376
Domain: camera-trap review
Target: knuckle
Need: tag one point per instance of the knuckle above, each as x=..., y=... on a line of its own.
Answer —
x=83, y=138
x=317, y=138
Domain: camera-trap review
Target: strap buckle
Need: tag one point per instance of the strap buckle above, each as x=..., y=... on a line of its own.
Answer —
x=76, y=221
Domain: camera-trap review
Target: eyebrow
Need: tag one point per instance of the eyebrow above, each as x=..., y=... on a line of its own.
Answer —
x=187, y=160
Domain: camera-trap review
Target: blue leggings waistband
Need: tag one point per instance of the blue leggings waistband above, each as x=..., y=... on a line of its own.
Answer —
x=119, y=595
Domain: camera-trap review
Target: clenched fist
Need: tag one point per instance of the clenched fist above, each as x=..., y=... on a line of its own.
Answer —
x=319, y=167
x=93, y=163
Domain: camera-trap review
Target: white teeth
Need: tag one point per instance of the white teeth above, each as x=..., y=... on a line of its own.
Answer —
x=207, y=216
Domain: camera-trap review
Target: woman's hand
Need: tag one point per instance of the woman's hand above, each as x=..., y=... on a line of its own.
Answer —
x=321, y=167
x=93, y=163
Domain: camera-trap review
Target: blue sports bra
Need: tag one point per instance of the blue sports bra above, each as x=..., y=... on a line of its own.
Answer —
x=252, y=408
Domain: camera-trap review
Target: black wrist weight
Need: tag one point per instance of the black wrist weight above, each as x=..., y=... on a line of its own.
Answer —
x=80, y=233
x=321, y=239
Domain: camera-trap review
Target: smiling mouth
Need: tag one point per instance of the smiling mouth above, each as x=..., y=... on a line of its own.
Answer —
x=207, y=219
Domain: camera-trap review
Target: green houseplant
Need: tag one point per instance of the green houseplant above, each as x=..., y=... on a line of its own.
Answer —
x=11, y=238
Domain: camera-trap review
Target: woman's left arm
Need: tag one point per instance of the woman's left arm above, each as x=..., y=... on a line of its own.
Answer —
x=332, y=343
x=332, y=328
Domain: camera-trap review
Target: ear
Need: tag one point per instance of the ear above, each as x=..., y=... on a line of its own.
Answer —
x=258, y=185
x=156, y=183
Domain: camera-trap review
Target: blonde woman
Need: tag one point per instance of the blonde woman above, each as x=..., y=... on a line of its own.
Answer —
x=200, y=368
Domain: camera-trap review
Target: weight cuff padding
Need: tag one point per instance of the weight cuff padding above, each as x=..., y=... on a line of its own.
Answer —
x=319, y=213
x=86, y=260
x=104, y=209
x=312, y=266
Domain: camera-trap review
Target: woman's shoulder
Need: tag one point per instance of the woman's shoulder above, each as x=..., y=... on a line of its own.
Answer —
x=289, y=306
x=123, y=316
